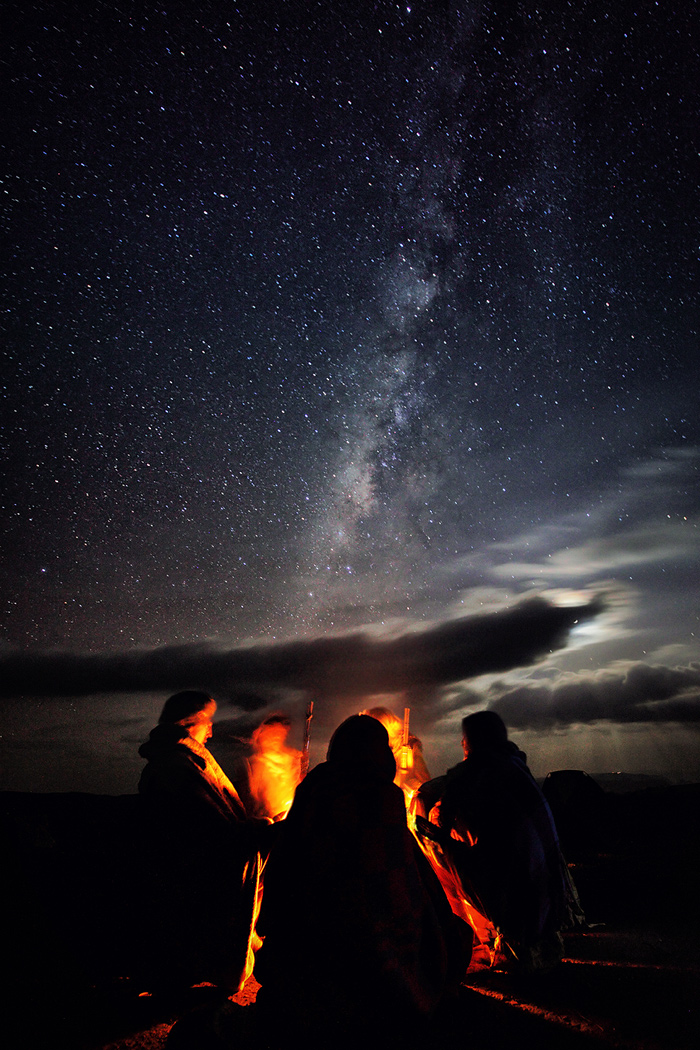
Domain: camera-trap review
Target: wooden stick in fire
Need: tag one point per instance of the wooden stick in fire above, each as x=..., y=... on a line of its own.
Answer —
x=307, y=740
x=406, y=760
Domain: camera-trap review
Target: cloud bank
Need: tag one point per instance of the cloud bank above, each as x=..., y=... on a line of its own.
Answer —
x=638, y=693
x=352, y=665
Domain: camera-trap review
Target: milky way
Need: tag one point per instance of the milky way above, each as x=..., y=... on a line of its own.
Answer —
x=321, y=318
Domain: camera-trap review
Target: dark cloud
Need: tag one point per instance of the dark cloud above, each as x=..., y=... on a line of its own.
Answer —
x=352, y=665
x=641, y=693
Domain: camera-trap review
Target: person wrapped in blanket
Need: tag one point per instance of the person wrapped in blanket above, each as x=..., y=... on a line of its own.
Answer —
x=359, y=942
x=202, y=856
x=500, y=834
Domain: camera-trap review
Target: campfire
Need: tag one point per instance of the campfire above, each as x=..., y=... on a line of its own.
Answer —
x=275, y=770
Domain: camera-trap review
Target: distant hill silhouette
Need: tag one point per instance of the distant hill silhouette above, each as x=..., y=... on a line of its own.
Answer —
x=621, y=783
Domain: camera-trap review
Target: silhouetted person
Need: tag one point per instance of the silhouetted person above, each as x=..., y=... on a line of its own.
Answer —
x=504, y=843
x=359, y=940
x=202, y=859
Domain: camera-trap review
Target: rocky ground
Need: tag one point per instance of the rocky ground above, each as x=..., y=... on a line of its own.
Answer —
x=631, y=979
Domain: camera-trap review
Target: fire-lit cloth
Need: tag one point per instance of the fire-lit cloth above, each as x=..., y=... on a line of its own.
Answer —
x=357, y=929
x=514, y=869
x=202, y=863
x=181, y=768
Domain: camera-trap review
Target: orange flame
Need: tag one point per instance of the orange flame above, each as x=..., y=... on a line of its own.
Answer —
x=488, y=942
x=274, y=770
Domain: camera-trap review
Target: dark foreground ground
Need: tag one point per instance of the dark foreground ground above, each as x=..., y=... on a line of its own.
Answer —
x=630, y=979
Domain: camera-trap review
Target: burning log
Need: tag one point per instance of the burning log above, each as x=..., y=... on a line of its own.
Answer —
x=406, y=755
x=307, y=740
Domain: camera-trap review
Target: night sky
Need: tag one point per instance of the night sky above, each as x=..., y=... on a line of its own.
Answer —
x=344, y=333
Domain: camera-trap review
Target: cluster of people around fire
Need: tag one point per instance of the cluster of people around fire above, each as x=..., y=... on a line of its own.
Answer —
x=360, y=893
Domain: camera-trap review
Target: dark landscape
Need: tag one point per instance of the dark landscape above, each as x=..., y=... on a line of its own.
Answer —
x=75, y=926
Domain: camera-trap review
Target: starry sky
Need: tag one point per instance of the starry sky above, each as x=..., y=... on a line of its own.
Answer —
x=350, y=351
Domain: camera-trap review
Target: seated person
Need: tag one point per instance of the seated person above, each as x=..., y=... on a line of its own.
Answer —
x=360, y=944
x=502, y=839
x=202, y=857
